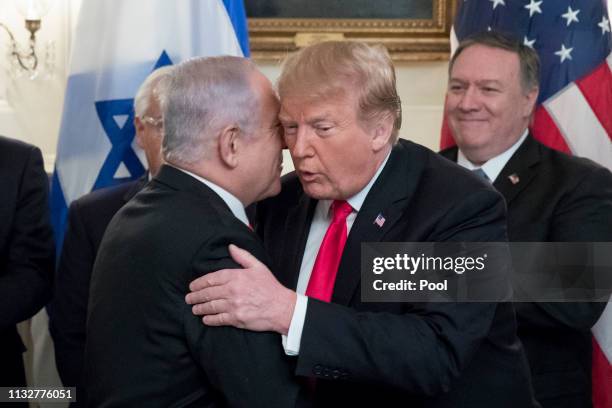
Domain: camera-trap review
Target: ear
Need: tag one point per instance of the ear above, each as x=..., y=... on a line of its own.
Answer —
x=228, y=146
x=382, y=133
x=530, y=101
x=140, y=129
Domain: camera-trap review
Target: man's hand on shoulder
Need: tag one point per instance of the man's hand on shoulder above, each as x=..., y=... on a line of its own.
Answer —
x=249, y=298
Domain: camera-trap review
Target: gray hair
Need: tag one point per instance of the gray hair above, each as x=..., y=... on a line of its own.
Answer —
x=528, y=57
x=328, y=67
x=149, y=88
x=203, y=96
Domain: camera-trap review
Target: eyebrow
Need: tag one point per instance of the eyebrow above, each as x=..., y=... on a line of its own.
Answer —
x=320, y=118
x=482, y=82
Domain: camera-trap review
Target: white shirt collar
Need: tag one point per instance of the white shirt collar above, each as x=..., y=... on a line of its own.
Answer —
x=357, y=200
x=493, y=166
x=232, y=202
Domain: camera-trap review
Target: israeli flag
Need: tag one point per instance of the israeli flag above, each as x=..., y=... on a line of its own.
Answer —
x=117, y=44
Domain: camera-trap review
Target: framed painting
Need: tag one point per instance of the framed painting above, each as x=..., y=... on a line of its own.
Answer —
x=410, y=29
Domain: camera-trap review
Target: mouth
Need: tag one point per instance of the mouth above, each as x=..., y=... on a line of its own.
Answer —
x=307, y=176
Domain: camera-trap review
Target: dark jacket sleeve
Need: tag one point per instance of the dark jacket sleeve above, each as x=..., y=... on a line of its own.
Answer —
x=67, y=322
x=438, y=339
x=248, y=368
x=25, y=283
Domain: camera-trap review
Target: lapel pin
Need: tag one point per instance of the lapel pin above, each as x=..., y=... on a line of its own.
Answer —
x=514, y=178
x=380, y=220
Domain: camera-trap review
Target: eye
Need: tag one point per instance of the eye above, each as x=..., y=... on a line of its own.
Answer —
x=289, y=129
x=324, y=129
x=488, y=89
x=455, y=87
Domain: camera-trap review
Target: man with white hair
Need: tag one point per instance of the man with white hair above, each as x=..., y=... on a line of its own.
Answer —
x=88, y=218
x=222, y=152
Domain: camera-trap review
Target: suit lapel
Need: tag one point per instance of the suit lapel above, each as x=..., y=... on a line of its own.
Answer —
x=388, y=198
x=519, y=171
x=295, y=235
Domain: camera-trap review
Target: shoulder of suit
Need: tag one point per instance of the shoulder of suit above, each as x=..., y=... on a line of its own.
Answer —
x=567, y=167
x=12, y=149
x=103, y=197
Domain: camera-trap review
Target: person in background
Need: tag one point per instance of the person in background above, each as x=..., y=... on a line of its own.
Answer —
x=551, y=197
x=26, y=250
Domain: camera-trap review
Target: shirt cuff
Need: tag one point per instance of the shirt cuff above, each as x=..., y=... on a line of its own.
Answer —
x=291, y=342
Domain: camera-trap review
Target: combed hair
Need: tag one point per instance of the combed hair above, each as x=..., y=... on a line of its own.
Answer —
x=202, y=97
x=149, y=89
x=528, y=57
x=328, y=68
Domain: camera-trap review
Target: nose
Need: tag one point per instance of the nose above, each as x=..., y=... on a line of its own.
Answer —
x=469, y=100
x=301, y=146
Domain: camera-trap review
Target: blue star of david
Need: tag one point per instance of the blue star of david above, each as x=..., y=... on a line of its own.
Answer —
x=121, y=137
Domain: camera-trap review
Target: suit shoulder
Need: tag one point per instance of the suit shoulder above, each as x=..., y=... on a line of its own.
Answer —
x=571, y=167
x=11, y=146
x=440, y=173
x=15, y=153
x=103, y=197
x=98, y=207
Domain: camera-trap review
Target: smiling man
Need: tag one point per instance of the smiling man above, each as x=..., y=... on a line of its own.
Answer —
x=355, y=182
x=551, y=197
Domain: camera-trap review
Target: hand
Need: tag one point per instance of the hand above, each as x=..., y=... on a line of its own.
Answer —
x=249, y=298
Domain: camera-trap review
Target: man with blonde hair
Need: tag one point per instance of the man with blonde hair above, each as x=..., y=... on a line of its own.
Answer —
x=356, y=182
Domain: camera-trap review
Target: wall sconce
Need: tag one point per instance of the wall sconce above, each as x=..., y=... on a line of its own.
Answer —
x=25, y=60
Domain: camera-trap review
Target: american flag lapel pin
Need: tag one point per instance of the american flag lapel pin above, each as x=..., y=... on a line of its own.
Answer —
x=514, y=178
x=380, y=220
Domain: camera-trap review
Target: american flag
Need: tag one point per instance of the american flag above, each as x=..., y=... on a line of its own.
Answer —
x=574, y=115
x=380, y=220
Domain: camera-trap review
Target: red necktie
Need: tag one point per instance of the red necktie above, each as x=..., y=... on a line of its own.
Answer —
x=323, y=277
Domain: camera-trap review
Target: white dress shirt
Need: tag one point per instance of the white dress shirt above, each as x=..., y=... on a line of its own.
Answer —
x=493, y=166
x=320, y=222
x=232, y=202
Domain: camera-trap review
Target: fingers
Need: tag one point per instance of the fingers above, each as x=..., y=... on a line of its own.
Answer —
x=211, y=279
x=222, y=319
x=214, y=307
x=243, y=257
x=207, y=294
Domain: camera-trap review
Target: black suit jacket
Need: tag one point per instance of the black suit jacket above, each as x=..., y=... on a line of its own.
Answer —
x=88, y=218
x=558, y=198
x=144, y=346
x=403, y=354
x=26, y=249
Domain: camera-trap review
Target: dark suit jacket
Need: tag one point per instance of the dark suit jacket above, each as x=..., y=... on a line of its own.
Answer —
x=144, y=346
x=88, y=218
x=558, y=198
x=26, y=249
x=403, y=354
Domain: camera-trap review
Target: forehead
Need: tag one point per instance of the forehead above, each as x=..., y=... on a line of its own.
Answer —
x=480, y=62
x=324, y=105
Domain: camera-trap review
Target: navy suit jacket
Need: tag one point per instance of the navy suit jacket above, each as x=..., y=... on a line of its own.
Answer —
x=403, y=354
x=88, y=218
x=558, y=198
x=26, y=249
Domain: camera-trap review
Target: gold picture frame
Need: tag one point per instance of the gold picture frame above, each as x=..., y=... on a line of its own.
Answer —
x=406, y=39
